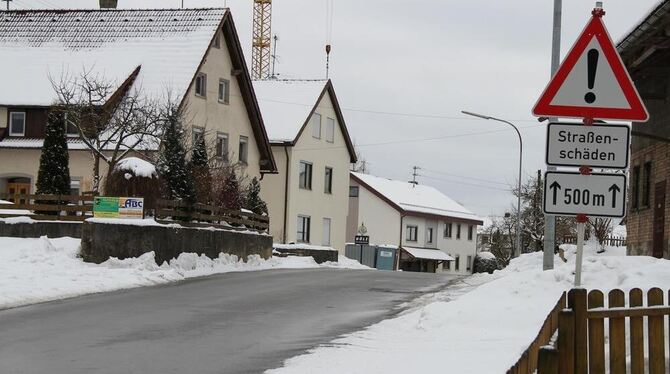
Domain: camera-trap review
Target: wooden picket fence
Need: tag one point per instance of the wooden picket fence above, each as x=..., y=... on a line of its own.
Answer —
x=64, y=207
x=209, y=215
x=527, y=363
x=581, y=334
x=613, y=241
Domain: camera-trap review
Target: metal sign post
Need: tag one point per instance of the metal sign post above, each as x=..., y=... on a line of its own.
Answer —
x=591, y=83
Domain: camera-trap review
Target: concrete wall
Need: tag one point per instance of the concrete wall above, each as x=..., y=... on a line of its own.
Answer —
x=101, y=241
x=214, y=116
x=38, y=229
x=313, y=203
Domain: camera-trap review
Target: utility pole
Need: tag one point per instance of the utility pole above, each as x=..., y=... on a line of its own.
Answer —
x=414, y=175
x=549, y=220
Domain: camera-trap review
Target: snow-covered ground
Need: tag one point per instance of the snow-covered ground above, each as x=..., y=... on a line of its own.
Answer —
x=38, y=270
x=482, y=325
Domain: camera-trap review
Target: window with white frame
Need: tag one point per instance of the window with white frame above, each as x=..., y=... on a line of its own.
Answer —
x=457, y=262
x=305, y=177
x=316, y=125
x=412, y=233
x=447, y=229
x=303, y=229
x=325, y=238
x=222, y=146
x=17, y=124
x=429, y=235
x=471, y=232
x=71, y=130
x=244, y=149
x=353, y=191
x=224, y=91
x=75, y=187
x=469, y=263
x=198, y=133
x=458, y=231
x=328, y=182
x=201, y=85
x=330, y=130
x=446, y=265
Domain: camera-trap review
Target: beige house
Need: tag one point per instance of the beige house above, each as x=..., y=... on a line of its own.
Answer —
x=307, y=198
x=431, y=231
x=194, y=55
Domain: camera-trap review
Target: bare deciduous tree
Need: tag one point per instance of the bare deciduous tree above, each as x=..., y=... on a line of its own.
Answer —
x=602, y=228
x=111, y=121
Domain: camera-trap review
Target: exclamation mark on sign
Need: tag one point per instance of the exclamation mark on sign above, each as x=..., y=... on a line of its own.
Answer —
x=592, y=62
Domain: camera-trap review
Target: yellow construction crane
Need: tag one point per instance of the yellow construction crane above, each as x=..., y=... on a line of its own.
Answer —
x=260, y=56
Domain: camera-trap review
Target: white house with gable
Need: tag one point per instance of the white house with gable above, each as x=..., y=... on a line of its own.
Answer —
x=308, y=198
x=192, y=54
x=431, y=231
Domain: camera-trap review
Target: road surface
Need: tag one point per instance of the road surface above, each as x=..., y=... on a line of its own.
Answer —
x=228, y=323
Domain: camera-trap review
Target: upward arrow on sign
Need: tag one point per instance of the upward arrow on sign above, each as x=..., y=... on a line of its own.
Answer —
x=592, y=81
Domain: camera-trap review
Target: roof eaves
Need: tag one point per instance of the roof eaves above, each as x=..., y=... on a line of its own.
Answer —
x=248, y=94
x=638, y=31
x=378, y=194
x=343, y=126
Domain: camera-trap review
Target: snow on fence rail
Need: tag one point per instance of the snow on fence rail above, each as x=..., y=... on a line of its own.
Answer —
x=613, y=241
x=581, y=334
x=210, y=215
x=48, y=207
x=528, y=361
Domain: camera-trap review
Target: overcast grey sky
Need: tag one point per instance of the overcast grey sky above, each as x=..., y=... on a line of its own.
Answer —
x=428, y=59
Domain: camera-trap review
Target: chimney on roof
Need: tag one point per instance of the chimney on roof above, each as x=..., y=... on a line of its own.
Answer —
x=108, y=4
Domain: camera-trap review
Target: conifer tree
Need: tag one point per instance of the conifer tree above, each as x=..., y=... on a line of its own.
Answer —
x=231, y=195
x=254, y=201
x=179, y=185
x=200, y=172
x=53, y=177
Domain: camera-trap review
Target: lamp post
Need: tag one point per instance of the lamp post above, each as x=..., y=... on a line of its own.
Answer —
x=518, y=202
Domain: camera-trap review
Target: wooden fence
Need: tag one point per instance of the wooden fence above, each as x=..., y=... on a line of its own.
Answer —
x=613, y=241
x=209, y=215
x=527, y=363
x=581, y=334
x=48, y=207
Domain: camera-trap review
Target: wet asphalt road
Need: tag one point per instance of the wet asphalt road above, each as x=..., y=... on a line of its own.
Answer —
x=228, y=323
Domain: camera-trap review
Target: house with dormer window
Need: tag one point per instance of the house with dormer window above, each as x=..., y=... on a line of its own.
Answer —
x=193, y=54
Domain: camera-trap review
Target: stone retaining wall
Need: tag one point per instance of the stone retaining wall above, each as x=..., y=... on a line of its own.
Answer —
x=101, y=241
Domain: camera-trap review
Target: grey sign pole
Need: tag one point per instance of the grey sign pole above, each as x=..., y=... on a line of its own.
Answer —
x=549, y=220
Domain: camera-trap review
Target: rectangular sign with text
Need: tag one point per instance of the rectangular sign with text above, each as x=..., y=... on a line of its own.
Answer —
x=597, y=195
x=599, y=146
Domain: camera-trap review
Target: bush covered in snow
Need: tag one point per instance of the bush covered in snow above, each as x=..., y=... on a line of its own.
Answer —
x=134, y=177
x=485, y=262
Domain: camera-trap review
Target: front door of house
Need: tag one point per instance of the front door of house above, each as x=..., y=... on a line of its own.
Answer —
x=658, y=225
x=15, y=190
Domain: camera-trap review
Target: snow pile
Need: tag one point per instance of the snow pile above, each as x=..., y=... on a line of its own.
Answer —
x=38, y=270
x=139, y=167
x=481, y=331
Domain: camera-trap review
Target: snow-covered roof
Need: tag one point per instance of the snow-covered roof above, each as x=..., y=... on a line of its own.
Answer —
x=415, y=198
x=38, y=45
x=286, y=105
x=428, y=254
x=73, y=144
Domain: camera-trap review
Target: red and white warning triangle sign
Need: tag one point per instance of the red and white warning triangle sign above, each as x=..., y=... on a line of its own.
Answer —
x=592, y=81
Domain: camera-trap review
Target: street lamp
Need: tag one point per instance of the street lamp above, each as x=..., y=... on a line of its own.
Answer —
x=518, y=202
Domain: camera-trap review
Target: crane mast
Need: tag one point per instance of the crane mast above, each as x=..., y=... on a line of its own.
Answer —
x=260, y=56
